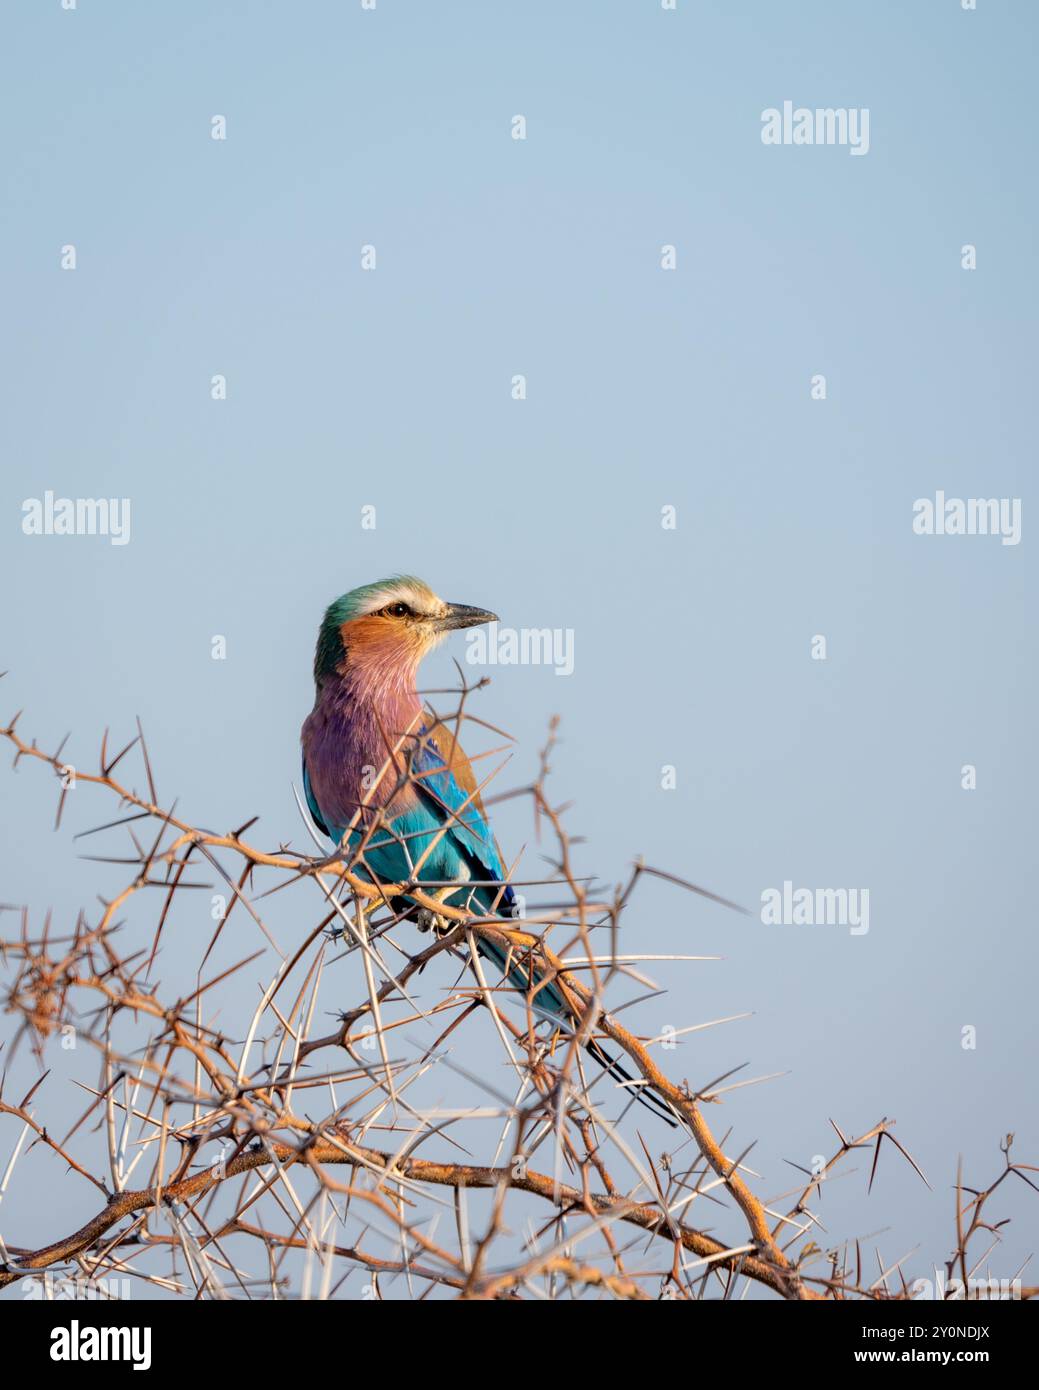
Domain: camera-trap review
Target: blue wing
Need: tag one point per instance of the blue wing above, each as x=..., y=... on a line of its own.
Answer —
x=444, y=834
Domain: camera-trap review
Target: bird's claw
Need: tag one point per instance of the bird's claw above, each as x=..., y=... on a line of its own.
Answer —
x=428, y=920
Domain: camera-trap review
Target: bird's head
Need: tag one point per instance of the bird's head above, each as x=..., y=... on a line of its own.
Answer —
x=383, y=630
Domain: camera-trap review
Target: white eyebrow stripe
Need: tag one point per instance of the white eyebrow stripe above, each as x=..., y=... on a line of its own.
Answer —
x=421, y=601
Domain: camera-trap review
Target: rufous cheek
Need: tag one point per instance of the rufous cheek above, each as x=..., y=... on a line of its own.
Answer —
x=376, y=644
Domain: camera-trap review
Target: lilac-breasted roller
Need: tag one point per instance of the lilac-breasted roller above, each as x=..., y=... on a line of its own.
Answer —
x=368, y=726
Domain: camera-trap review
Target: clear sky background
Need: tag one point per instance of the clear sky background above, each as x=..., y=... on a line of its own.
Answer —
x=645, y=388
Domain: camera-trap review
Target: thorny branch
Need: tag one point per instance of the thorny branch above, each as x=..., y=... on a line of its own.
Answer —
x=222, y=1107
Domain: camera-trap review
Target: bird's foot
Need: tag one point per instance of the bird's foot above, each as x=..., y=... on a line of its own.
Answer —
x=428, y=920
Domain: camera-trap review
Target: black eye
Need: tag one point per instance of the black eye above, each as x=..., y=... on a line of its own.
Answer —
x=398, y=610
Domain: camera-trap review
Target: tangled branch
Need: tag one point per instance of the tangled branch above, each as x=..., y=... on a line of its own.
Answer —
x=244, y=1134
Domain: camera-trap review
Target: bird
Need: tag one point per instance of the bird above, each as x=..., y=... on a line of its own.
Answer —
x=385, y=778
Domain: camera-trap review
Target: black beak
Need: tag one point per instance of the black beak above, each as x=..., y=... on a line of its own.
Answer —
x=461, y=615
